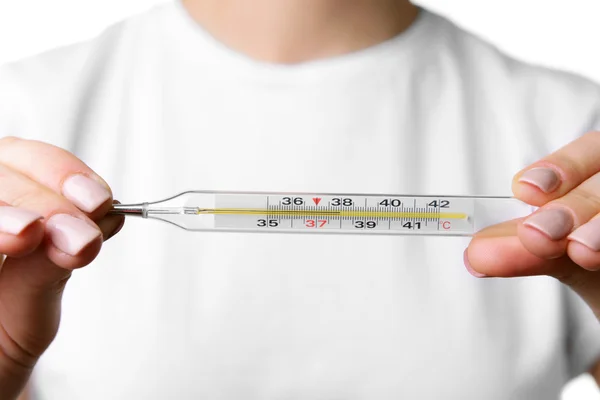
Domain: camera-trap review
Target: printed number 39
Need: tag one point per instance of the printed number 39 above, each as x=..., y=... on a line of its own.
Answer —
x=363, y=224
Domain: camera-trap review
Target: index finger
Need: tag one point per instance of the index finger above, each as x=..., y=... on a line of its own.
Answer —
x=558, y=173
x=58, y=170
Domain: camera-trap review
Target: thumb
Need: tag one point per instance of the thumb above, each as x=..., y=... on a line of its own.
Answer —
x=497, y=251
x=31, y=290
x=30, y=293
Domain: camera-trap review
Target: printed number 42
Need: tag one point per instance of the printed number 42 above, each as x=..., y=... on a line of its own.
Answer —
x=311, y=223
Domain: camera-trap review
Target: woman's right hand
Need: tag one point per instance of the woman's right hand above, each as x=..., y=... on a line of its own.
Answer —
x=52, y=221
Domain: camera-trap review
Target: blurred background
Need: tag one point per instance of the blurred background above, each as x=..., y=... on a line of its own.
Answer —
x=553, y=33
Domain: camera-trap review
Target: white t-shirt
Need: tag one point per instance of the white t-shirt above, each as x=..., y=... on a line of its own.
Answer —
x=157, y=106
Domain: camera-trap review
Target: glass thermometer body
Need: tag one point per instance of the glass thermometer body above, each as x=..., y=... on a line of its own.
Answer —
x=330, y=213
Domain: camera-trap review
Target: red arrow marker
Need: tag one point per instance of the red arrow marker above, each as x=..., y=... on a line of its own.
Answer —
x=317, y=200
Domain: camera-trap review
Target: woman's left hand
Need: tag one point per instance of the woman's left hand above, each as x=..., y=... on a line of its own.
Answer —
x=562, y=238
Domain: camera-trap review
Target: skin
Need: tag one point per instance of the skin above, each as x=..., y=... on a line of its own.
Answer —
x=294, y=31
x=513, y=249
x=35, y=272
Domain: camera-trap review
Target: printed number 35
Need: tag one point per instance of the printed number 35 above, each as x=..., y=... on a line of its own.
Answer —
x=271, y=223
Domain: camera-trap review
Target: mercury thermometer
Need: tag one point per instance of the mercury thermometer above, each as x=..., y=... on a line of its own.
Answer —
x=329, y=213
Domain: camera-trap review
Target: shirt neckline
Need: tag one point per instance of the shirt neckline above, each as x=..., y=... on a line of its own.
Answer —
x=414, y=40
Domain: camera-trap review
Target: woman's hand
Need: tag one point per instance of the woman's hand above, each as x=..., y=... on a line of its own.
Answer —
x=562, y=238
x=52, y=220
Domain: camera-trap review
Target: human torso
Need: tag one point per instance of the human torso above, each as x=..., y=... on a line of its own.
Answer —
x=165, y=313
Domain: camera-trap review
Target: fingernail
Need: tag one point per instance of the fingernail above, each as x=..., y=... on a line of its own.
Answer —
x=554, y=223
x=69, y=234
x=14, y=220
x=545, y=179
x=470, y=269
x=85, y=193
x=588, y=234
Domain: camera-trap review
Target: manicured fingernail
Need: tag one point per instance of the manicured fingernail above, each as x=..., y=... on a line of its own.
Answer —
x=85, y=193
x=545, y=179
x=554, y=223
x=69, y=234
x=14, y=220
x=588, y=234
x=470, y=269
